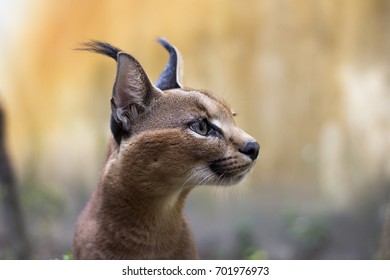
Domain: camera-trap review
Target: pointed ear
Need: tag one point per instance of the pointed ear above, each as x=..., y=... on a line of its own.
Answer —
x=131, y=95
x=171, y=77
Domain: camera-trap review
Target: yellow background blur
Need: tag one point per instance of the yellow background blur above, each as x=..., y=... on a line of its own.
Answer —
x=310, y=81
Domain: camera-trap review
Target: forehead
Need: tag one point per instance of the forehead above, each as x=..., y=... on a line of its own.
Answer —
x=214, y=107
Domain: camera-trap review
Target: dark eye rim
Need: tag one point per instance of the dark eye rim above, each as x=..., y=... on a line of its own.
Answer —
x=200, y=122
x=196, y=127
x=212, y=130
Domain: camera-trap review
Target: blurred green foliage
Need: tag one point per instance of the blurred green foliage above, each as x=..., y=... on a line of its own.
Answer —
x=68, y=256
x=308, y=233
x=247, y=243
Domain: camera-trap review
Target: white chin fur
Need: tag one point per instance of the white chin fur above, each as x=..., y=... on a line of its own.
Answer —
x=203, y=175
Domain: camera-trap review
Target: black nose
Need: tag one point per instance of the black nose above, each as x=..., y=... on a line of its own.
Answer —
x=251, y=149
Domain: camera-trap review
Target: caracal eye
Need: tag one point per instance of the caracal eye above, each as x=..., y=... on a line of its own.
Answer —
x=201, y=127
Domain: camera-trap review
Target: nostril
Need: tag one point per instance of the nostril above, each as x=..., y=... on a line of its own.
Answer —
x=251, y=149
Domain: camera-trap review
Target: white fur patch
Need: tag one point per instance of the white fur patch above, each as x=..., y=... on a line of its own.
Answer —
x=216, y=122
x=171, y=200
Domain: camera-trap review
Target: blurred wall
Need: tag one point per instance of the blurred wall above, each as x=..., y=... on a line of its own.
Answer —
x=309, y=80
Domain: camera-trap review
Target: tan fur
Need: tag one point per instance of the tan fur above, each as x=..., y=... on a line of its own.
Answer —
x=136, y=211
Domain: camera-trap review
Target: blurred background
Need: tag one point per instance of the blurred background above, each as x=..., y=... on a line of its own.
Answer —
x=310, y=81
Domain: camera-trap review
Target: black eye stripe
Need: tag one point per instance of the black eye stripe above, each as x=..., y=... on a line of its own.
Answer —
x=216, y=128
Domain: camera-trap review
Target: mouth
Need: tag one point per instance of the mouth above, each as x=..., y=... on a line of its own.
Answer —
x=229, y=171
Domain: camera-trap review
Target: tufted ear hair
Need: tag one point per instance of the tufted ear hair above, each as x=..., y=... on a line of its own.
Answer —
x=171, y=77
x=131, y=95
x=132, y=92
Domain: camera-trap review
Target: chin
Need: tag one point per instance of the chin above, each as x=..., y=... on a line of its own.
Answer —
x=202, y=176
x=229, y=181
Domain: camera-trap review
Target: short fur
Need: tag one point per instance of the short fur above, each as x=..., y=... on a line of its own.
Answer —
x=168, y=142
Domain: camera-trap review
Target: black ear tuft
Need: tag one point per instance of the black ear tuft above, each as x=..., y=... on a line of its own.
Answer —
x=132, y=94
x=100, y=47
x=171, y=76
